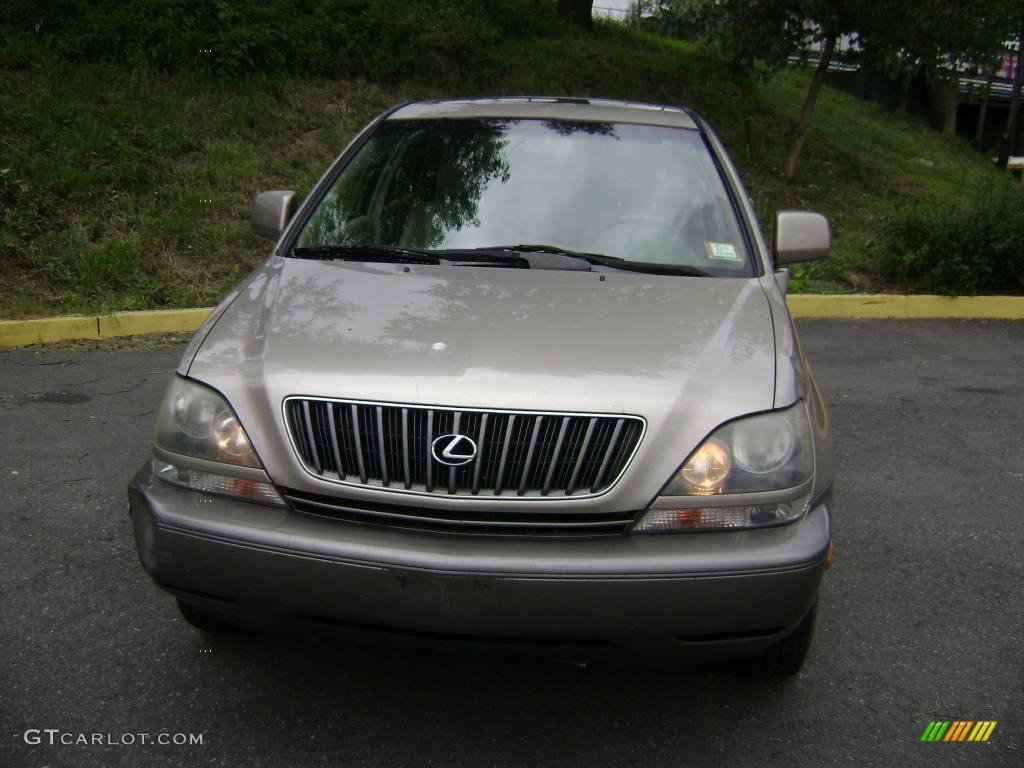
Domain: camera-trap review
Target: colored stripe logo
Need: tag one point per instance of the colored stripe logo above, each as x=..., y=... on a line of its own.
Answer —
x=958, y=730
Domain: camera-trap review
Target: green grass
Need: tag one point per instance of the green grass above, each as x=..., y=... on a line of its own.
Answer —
x=133, y=193
x=126, y=189
x=860, y=164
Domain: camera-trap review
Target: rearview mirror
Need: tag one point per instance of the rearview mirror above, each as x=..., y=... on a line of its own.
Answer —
x=801, y=236
x=271, y=212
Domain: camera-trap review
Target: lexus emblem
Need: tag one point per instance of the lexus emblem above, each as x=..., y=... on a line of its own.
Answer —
x=453, y=450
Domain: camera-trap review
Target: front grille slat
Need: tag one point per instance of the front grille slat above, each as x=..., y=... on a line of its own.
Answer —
x=382, y=452
x=428, y=480
x=405, y=448
x=525, y=477
x=453, y=470
x=519, y=454
x=553, y=461
x=608, y=453
x=579, y=460
x=480, y=447
x=311, y=438
x=498, y=484
x=359, y=444
x=333, y=427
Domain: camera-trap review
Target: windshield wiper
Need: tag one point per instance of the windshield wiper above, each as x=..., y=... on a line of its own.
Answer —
x=614, y=262
x=372, y=252
x=463, y=257
x=525, y=256
x=378, y=252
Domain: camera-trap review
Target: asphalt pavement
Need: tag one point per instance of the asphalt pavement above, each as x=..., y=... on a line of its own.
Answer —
x=920, y=620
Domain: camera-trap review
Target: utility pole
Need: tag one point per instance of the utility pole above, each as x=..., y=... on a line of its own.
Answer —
x=979, y=130
x=1010, y=136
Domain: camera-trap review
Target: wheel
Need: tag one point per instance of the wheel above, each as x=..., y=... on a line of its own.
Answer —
x=785, y=657
x=206, y=622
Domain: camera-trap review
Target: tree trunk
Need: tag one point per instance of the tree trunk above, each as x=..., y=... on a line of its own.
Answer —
x=579, y=12
x=1010, y=135
x=979, y=130
x=949, y=98
x=906, y=80
x=804, y=125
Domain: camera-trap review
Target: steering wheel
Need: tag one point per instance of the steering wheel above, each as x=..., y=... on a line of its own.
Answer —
x=633, y=219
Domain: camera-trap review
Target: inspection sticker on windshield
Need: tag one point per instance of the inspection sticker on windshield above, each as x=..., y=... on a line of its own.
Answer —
x=722, y=251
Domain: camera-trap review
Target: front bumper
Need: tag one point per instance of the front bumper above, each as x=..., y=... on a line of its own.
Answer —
x=703, y=595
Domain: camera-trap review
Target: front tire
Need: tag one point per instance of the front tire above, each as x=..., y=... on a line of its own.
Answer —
x=206, y=622
x=785, y=657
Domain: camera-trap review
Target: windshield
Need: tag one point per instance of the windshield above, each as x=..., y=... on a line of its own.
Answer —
x=646, y=194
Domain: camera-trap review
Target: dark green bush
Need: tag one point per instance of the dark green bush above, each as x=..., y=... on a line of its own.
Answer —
x=380, y=39
x=971, y=245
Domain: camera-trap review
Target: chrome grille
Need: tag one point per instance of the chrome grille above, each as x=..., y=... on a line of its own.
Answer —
x=520, y=454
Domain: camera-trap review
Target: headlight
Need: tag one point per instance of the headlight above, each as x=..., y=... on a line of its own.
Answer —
x=769, y=458
x=767, y=452
x=763, y=445
x=707, y=469
x=196, y=421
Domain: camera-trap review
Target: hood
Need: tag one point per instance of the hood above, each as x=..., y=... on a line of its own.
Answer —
x=683, y=353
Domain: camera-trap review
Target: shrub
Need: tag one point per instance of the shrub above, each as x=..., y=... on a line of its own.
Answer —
x=965, y=246
x=379, y=39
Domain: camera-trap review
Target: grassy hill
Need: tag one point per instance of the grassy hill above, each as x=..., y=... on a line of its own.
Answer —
x=124, y=187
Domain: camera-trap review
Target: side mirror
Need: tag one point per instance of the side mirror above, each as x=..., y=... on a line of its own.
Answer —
x=271, y=212
x=801, y=236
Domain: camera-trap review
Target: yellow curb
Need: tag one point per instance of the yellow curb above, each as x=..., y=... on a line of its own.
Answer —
x=883, y=306
x=18, y=333
x=155, y=321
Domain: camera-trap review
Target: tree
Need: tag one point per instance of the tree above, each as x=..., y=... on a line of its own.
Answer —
x=909, y=36
x=579, y=12
x=761, y=36
x=979, y=129
x=803, y=125
x=941, y=41
x=756, y=36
